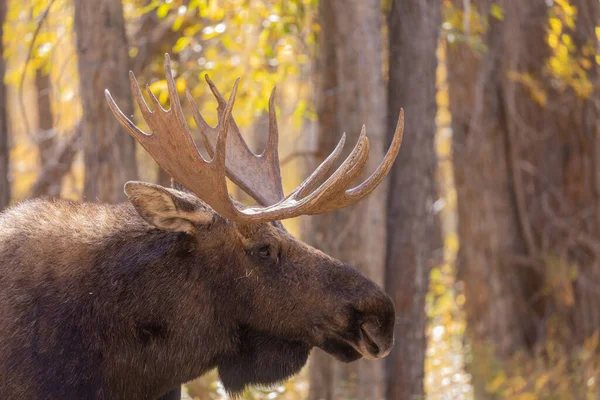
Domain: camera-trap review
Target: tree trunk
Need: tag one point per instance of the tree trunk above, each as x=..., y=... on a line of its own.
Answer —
x=109, y=152
x=4, y=142
x=414, y=237
x=526, y=156
x=352, y=93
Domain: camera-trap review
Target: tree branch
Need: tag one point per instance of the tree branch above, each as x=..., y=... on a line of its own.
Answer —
x=58, y=166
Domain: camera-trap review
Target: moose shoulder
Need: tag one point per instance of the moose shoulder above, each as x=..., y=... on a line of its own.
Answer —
x=129, y=301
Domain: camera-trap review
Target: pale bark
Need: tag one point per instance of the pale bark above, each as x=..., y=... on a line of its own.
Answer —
x=5, y=183
x=352, y=93
x=414, y=238
x=46, y=136
x=109, y=152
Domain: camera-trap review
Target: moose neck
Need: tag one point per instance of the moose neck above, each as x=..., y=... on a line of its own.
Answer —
x=168, y=318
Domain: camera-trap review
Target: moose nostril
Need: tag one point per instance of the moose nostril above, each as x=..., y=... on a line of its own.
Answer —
x=369, y=340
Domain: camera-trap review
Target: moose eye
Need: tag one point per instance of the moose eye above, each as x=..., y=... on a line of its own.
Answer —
x=264, y=252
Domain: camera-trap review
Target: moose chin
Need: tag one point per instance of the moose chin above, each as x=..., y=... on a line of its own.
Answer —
x=129, y=301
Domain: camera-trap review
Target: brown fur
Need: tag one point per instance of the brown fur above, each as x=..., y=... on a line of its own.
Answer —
x=130, y=301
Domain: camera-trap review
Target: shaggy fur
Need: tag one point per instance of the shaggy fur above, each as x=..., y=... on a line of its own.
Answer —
x=132, y=300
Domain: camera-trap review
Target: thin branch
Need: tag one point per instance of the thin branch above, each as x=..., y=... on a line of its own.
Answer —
x=467, y=18
x=27, y=60
x=53, y=172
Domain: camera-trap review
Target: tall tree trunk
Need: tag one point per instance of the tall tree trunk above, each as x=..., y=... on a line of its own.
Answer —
x=352, y=93
x=414, y=237
x=4, y=142
x=109, y=152
x=526, y=156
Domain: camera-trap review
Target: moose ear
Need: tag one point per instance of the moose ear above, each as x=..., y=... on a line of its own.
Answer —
x=167, y=209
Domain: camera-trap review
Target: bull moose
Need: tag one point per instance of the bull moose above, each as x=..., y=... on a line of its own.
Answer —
x=129, y=301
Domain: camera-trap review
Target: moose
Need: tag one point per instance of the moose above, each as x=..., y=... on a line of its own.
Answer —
x=130, y=301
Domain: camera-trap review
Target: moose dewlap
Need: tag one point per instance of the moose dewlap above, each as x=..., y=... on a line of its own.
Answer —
x=129, y=301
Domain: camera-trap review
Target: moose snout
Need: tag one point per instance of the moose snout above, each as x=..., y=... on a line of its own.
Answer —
x=373, y=343
x=376, y=336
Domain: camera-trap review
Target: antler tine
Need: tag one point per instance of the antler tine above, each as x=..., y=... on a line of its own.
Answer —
x=257, y=175
x=157, y=105
x=224, y=124
x=172, y=89
x=356, y=163
x=322, y=170
x=272, y=149
x=122, y=118
x=218, y=96
x=201, y=124
x=382, y=170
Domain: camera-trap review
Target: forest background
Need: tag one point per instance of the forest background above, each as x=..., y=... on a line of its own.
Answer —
x=487, y=232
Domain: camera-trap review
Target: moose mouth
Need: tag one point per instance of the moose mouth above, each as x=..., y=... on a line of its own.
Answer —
x=364, y=345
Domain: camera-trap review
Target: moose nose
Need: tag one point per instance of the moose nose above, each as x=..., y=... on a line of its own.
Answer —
x=373, y=343
x=376, y=336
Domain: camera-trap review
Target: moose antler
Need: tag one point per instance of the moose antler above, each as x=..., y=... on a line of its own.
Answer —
x=257, y=175
x=173, y=148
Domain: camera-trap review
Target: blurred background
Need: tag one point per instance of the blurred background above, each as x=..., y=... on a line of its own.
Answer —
x=487, y=231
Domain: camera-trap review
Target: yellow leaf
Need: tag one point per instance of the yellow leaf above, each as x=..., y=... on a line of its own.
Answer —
x=177, y=23
x=566, y=39
x=162, y=10
x=496, y=383
x=526, y=396
x=209, y=34
x=555, y=25
x=541, y=381
x=159, y=86
x=180, y=83
x=133, y=51
x=517, y=383
x=451, y=242
x=497, y=12
x=182, y=42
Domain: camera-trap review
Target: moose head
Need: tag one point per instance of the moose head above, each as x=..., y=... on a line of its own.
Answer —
x=282, y=296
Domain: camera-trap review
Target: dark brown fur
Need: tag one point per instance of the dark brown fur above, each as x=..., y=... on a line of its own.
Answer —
x=96, y=302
